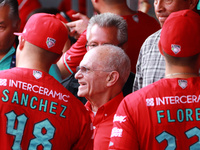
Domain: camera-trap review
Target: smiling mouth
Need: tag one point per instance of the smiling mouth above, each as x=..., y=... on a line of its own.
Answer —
x=81, y=83
x=162, y=18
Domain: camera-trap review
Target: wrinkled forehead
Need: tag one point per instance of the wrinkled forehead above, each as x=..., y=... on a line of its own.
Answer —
x=92, y=59
x=103, y=35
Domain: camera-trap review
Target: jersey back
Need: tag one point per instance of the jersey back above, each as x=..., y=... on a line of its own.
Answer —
x=37, y=112
x=163, y=115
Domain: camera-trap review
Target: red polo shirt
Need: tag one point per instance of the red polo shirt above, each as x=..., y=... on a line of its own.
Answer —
x=103, y=121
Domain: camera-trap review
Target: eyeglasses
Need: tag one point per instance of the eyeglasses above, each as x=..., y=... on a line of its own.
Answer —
x=85, y=70
x=91, y=46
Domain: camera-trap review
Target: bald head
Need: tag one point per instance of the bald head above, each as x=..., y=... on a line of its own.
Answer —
x=110, y=58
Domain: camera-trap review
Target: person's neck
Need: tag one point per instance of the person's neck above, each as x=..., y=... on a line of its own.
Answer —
x=181, y=73
x=99, y=100
x=33, y=65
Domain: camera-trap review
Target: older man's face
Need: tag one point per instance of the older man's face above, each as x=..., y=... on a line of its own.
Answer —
x=102, y=35
x=163, y=8
x=91, y=76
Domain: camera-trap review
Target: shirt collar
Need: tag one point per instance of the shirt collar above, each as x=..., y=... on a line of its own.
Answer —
x=109, y=107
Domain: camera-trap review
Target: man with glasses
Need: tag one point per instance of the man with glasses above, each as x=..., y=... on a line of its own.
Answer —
x=106, y=28
x=140, y=26
x=102, y=74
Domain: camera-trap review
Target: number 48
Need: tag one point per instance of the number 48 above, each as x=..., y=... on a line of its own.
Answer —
x=40, y=139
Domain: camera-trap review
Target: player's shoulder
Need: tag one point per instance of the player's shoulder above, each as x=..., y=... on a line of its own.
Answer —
x=144, y=92
x=10, y=72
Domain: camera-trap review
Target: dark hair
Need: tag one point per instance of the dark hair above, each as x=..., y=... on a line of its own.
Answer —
x=13, y=4
x=181, y=61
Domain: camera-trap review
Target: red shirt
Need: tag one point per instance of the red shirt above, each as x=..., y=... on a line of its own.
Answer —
x=140, y=26
x=25, y=8
x=103, y=122
x=65, y=5
x=163, y=115
x=38, y=112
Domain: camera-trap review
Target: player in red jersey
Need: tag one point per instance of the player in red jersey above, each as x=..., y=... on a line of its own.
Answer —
x=66, y=5
x=166, y=114
x=25, y=8
x=37, y=112
x=102, y=74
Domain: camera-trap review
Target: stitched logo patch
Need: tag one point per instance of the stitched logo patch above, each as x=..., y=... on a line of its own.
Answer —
x=37, y=74
x=182, y=83
x=150, y=102
x=50, y=42
x=176, y=48
x=135, y=18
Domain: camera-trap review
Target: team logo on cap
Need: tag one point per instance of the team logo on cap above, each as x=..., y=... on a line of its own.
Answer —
x=176, y=48
x=182, y=83
x=50, y=42
x=37, y=74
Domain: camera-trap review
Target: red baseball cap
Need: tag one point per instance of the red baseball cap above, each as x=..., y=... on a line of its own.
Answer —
x=180, y=35
x=45, y=31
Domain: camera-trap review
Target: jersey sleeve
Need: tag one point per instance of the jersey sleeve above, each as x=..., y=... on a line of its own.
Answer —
x=123, y=135
x=74, y=55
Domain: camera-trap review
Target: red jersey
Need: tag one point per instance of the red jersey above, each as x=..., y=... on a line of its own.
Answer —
x=25, y=8
x=72, y=57
x=163, y=115
x=37, y=112
x=140, y=26
x=103, y=122
x=66, y=5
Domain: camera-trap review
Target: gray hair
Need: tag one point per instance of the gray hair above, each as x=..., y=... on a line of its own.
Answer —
x=110, y=20
x=14, y=13
x=115, y=59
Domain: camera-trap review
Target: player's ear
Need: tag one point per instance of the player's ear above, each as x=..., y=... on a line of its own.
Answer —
x=112, y=78
x=160, y=48
x=193, y=4
x=21, y=42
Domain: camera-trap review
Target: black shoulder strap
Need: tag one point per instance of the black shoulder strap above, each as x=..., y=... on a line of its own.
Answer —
x=13, y=61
